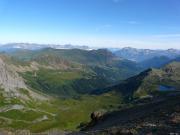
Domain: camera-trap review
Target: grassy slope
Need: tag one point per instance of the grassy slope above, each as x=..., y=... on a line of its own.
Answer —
x=64, y=83
x=76, y=55
x=83, y=70
x=64, y=114
x=167, y=76
x=148, y=82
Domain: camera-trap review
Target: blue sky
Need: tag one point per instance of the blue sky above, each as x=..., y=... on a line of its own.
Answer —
x=102, y=23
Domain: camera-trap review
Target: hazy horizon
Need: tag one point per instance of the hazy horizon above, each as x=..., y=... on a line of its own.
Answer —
x=78, y=45
x=96, y=23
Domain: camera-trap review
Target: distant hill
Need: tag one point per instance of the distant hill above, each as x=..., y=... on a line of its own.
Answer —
x=11, y=47
x=144, y=54
x=75, y=55
x=155, y=62
x=177, y=59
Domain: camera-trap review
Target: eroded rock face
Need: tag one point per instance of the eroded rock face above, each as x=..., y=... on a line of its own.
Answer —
x=9, y=79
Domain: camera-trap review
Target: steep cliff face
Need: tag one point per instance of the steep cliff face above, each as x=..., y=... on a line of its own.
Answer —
x=9, y=79
x=12, y=85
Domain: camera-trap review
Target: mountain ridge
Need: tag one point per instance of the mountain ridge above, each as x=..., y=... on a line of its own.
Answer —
x=147, y=82
x=144, y=54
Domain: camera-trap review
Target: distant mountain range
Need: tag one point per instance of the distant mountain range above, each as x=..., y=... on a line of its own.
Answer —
x=129, y=53
x=140, y=55
x=33, y=46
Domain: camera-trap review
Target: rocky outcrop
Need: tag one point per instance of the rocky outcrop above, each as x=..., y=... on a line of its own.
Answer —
x=97, y=115
x=9, y=79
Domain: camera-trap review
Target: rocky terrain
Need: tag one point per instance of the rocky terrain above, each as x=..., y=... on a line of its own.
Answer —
x=9, y=79
x=158, y=117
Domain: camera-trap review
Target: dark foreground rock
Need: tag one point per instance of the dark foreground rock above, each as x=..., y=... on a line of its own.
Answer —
x=161, y=117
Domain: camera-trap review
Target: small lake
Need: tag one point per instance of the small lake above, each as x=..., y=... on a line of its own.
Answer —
x=166, y=88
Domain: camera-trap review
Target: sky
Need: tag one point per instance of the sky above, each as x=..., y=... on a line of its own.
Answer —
x=151, y=24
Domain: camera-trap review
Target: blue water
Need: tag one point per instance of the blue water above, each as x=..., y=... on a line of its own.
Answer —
x=165, y=88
